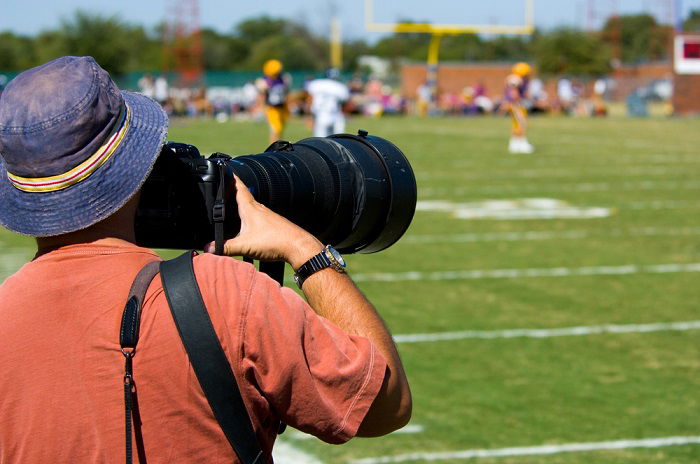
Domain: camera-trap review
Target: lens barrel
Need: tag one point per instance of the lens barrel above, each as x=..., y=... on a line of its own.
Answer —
x=356, y=192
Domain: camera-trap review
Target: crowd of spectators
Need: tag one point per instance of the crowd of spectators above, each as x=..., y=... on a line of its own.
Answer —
x=371, y=98
x=374, y=97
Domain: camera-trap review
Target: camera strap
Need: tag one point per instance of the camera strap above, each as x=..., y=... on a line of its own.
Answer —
x=204, y=350
x=219, y=211
x=128, y=338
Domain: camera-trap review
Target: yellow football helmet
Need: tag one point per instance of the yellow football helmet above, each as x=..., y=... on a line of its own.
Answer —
x=521, y=69
x=272, y=68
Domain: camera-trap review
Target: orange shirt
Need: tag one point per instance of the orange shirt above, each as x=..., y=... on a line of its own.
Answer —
x=61, y=394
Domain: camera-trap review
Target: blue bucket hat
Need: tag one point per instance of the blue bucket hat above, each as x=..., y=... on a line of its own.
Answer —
x=73, y=147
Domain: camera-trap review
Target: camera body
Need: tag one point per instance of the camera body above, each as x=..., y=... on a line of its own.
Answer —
x=176, y=209
x=356, y=192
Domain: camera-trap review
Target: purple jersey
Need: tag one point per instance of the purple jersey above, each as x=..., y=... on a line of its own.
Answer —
x=276, y=93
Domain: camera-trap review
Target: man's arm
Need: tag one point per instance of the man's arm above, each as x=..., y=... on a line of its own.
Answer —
x=266, y=235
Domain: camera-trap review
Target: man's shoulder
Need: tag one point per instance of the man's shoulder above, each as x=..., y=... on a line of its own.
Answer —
x=214, y=266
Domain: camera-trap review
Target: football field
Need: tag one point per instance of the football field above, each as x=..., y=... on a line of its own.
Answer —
x=546, y=306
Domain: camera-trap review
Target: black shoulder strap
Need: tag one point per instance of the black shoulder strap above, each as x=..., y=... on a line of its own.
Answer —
x=208, y=360
x=128, y=338
x=129, y=334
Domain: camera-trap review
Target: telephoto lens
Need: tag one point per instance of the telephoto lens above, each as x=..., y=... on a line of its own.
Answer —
x=355, y=192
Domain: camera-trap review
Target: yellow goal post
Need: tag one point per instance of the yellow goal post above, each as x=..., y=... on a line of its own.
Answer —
x=436, y=32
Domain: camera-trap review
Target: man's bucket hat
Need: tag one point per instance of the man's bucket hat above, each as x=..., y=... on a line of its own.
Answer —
x=73, y=147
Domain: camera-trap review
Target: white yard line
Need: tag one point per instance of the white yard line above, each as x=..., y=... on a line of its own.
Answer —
x=533, y=450
x=566, y=187
x=618, y=161
x=626, y=269
x=634, y=171
x=548, y=333
x=285, y=453
x=550, y=235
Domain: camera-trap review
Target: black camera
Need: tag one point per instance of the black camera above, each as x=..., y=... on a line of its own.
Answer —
x=356, y=192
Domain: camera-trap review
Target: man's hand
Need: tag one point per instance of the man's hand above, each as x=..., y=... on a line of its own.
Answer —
x=267, y=236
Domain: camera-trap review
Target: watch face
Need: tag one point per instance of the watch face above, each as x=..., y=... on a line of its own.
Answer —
x=336, y=256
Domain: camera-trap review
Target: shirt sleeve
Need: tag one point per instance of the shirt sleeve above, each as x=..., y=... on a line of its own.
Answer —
x=315, y=377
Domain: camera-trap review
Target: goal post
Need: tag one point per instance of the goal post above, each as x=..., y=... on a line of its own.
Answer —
x=437, y=31
x=451, y=29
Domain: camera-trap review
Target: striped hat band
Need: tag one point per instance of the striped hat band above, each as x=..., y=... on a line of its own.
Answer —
x=84, y=169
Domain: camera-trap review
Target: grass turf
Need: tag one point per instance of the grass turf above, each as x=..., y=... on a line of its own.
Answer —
x=473, y=394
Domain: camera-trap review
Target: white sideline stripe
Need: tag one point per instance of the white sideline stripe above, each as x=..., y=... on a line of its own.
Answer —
x=570, y=187
x=532, y=272
x=660, y=204
x=409, y=429
x=552, y=173
x=548, y=333
x=549, y=235
x=534, y=450
x=285, y=453
x=618, y=161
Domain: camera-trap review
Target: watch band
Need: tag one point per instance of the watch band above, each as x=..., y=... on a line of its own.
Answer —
x=316, y=263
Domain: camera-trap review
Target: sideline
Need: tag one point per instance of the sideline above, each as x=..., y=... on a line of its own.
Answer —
x=569, y=187
x=626, y=269
x=634, y=171
x=534, y=450
x=285, y=453
x=550, y=235
x=548, y=333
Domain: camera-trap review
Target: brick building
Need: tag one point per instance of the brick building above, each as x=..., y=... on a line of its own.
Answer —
x=454, y=77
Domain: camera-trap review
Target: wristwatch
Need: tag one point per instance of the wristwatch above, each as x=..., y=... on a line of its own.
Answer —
x=328, y=257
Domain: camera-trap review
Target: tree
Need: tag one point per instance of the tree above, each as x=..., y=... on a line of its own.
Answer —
x=16, y=52
x=638, y=37
x=352, y=51
x=106, y=39
x=692, y=22
x=570, y=51
x=254, y=30
x=291, y=51
x=505, y=48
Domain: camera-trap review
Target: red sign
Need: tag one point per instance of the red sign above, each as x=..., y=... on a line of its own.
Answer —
x=691, y=49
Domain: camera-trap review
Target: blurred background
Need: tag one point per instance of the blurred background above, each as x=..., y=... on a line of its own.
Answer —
x=545, y=304
x=590, y=56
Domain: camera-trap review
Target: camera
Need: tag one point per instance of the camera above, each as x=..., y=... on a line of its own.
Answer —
x=356, y=192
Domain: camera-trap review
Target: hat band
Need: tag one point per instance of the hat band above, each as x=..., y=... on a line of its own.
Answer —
x=84, y=169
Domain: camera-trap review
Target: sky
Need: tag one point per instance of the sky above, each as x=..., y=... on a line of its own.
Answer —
x=29, y=17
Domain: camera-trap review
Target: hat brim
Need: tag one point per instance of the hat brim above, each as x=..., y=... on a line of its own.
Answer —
x=99, y=195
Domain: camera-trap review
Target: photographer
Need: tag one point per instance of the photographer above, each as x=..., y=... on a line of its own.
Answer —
x=75, y=151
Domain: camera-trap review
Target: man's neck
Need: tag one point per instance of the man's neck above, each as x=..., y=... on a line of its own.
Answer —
x=117, y=229
x=48, y=244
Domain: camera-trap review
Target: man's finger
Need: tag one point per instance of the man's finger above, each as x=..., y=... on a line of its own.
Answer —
x=243, y=194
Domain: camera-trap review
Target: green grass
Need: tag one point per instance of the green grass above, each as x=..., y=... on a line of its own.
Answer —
x=474, y=394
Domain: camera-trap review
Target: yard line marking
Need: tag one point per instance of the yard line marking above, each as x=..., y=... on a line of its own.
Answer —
x=626, y=269
x=660, y=204
x=548, y=333
x=409, y=429
x=550, y=235
x=568, y=187
x=534, y=450
x=461, y=174
x=617, y=161
x=285, y=453
x=514, y=209
x=540, y=208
